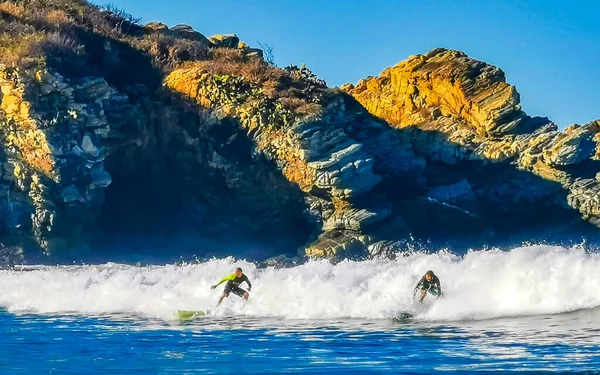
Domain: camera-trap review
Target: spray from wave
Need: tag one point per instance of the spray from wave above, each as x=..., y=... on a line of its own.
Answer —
x=479, y=285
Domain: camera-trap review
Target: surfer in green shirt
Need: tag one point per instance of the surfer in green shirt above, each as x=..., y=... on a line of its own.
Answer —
x=429, y=283
x=233, y=285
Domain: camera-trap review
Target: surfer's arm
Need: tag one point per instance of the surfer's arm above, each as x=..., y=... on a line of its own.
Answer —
x=417, y=286
x=248, y=282
x=226, y=278
x=420, y=282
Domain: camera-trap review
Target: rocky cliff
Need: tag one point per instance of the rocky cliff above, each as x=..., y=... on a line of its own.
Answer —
x=470, y=114
x=116, y=135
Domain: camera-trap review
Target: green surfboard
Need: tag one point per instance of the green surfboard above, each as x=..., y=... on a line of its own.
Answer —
x=190, y=314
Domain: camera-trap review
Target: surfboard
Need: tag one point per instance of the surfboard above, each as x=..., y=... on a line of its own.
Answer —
x=190, y=314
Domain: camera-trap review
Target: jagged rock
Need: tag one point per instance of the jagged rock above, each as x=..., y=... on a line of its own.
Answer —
x=426, y=215
x=357, y=219
x=11, y=255
x=585, y=197
x=459, y=110
x=76, y=151
x=384, y=249
x=573, y=146
x=449, y=81
x=101, y=179
x=336, y=244
x=255, y=52
x=225, y=41
x=49, y=153
x=88, y=147
x=156, y=26
x=344, y=172
x=281, y=261
x=92, y=89
x=187, y=32
x=71, y=194
x=459, y=194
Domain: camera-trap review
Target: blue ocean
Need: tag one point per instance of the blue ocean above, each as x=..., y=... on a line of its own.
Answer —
x=532, y=309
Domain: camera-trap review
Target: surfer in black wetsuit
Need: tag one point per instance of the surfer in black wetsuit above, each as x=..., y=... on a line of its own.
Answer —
x=429, y=283
x=233, y=285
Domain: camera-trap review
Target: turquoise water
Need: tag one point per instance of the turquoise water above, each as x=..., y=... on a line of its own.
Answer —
x=44, y=344
x=533, y=309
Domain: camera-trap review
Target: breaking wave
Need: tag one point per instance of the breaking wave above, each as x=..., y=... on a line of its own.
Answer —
x=528, y=280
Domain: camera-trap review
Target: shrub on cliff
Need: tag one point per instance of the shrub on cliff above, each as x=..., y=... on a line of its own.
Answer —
x=296, y=89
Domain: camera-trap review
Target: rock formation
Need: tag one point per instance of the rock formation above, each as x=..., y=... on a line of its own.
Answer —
x=476, y=117
x=113, y=131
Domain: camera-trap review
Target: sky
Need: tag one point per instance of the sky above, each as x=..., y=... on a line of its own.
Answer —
x=549, y=49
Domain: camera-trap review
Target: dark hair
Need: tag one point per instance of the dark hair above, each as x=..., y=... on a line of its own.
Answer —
x=238, y=269
x=430, y=273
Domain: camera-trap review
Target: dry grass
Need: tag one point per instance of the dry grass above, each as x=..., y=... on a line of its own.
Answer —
x=300, y=106
x=223, y=61
x=57, y=18
x=28, y=27
x=255, y=71
x=10, y=7
x=290, y=87
x=15, y=51
x=170, y=52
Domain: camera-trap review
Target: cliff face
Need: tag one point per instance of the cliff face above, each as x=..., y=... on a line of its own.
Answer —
x=116, y=132
x=477, y=117
x=449, y=154
x=96, y=155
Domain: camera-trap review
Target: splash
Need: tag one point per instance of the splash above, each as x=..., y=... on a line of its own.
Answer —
x=529, y=280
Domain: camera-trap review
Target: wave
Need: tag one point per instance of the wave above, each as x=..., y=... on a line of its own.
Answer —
x=529, y=280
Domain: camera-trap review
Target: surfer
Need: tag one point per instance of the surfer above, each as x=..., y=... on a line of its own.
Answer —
x=429, y=283
x=233, y=285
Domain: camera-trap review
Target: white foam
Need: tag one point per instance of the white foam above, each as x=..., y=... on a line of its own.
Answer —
x=481, y=284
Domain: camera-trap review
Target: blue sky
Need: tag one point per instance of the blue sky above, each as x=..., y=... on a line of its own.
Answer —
x=549, y=49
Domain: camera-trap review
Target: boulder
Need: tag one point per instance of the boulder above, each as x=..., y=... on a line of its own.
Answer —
x=88, y=146
x=336, y=245
x=357, y=219
x=71, y=194
x=187, y=32
x=255, y=52
x=101, y=179
x=224, y=41
x=156, y=26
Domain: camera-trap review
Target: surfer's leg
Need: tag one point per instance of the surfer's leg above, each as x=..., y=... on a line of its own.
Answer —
x=222, y=298
x=240, y=292
x=226, y=291
x=423, y=294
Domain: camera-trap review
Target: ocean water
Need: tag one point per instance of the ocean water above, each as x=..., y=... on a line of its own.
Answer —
x=533, y=309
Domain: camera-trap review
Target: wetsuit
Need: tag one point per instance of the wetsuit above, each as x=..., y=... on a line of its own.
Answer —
x=233, y=284
x=434, y=287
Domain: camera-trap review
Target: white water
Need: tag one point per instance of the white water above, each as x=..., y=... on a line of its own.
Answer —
x=480, y=285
